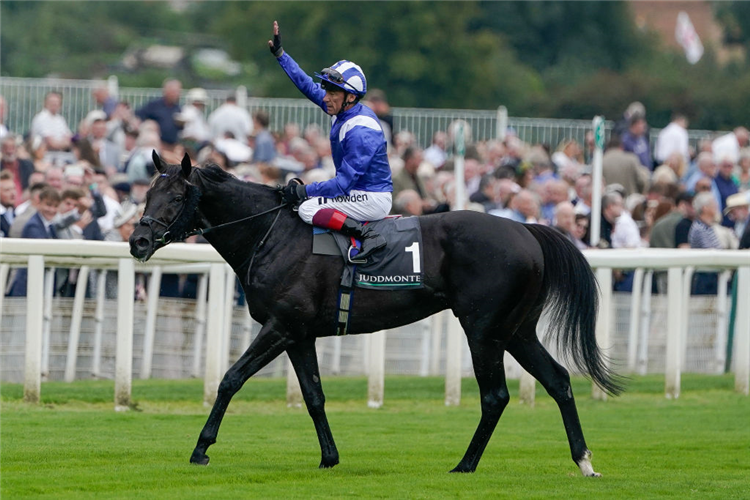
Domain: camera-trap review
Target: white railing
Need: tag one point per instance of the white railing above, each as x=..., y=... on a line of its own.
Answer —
x=25, y=98
x=214, y=319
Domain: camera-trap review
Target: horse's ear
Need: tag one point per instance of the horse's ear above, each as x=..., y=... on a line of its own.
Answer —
x=187, y=166
x=157, y=161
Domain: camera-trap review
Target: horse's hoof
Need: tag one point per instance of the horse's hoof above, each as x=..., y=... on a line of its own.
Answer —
x=594, y=474
x=327, y=464
x=199, y=459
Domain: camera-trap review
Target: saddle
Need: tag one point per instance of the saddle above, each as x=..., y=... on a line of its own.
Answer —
x=397, y=266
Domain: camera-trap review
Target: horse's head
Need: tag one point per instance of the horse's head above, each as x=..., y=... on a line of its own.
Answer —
x=170, y=213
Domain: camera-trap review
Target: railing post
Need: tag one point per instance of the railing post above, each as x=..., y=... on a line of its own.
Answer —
x=376, y=374
x=645, y=324
x=424, y=362
x=101, y=296
x=437, y=322
x=603, y=321
x=154, y=287
x=687, y=279
x=293, y=389
x=34, y=319
x=49, y=292
x=502, y=122
x=720, y=346
x=124, y=354
x=742, y=335
x=674, y=332
x=226, y=342
x=336, y=363
x=200, y=323
x=75, y=324
x=453, y=363
x=214, y=333
x=635, y=315
x=4, y=270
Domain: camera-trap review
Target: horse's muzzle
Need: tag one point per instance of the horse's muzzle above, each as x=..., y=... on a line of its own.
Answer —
x=142, y=244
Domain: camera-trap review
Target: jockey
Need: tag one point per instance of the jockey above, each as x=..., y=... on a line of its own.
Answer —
x=362, y=187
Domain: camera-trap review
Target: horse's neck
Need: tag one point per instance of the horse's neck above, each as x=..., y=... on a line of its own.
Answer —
x=223, y=203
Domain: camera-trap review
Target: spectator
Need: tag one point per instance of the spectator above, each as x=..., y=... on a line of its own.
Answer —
x=408, y=202
x=707, y=169
x=55, y=177
x=140, y=165
x=138, y=190
x=85, y=155
x=265, y=149
x=27, y=209
x=742, y=172
x=624, y=168
x=568, y=156
x=738, y=210
x=3, y=108
x=729, y=145
x=230, y=118
x=37, y=150
x=7, y=202
x=580, y=231
x=486, y=195
x=673, y=139
x=103, y=100
x=703, y=235
x=564, y=219
x=682, y=230
x=671, y=171
x=664, y=231
x=235, y=151
x=163, y=111
x=51, y=126
x=524, y=207
x=626, y=233
x=107, y=152
x=39, y=226
x=20, y=169
x=634, y=109
x=554, y=192
x=196, y=129
x=582, y=200
x=74, y=205
x=635, y=140
x=435, y=154
x=378, y=103
x=612, y=208
x=727, y=186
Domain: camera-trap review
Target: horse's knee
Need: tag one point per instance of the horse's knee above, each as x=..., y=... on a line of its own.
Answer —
x=229, y=385
x=561, y=390
x=494, y=402
x=316, y=405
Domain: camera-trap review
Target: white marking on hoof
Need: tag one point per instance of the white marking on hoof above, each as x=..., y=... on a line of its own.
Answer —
x=585, y=465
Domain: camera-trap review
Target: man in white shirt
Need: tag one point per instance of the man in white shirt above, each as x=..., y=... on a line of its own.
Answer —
x=230, y=118
x=51, y=126
x=729, y=145
x=196, y=129
x=673, y=138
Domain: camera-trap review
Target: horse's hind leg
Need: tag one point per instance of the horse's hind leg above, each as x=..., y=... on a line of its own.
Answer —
x=264, y=349
x=305, y=364
x=490, y=373
x=535, y=359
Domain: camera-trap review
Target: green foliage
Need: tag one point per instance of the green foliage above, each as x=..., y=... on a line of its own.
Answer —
x=549, y=58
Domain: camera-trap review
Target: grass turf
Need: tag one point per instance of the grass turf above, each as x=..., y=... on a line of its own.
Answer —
x=73, y=445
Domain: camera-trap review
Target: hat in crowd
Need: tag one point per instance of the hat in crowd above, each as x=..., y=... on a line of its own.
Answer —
x=737, y=200
x=74, y=171
x=197, y=95
x=126, y=212
x=96, y=114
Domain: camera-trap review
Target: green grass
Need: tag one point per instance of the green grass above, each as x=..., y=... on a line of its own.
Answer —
x=73, y=445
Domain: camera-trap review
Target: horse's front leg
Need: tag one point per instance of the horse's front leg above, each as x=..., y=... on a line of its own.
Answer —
x=305, y=362
x=269, y=343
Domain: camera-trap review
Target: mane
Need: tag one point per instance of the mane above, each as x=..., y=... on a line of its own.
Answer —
x=211, y=173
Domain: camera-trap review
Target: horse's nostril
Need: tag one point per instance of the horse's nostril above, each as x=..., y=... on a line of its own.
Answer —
x=141, y=242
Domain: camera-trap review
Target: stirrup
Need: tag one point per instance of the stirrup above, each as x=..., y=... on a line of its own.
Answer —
x=354, y=260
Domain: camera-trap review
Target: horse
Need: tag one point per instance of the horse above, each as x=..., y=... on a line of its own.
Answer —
x=494, y=274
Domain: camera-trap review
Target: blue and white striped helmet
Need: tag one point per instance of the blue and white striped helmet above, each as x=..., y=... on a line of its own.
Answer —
x=347, y=76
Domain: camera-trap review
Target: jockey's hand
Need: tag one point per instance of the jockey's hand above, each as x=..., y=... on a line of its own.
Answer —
x=275, y=45
x=294, y=193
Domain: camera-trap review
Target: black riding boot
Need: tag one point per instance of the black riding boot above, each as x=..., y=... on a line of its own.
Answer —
x=371, y=241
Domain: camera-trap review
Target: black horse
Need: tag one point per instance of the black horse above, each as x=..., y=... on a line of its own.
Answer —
x=495, y=275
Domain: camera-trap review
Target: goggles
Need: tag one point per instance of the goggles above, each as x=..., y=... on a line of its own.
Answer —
x=334, y=77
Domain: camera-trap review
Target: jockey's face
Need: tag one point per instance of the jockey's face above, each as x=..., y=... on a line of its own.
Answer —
x=336, y=100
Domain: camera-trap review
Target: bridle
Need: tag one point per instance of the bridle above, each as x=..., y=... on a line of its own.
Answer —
x=167, y=238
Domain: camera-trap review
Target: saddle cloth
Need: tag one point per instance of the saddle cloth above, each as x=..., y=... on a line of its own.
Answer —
x=396, y=267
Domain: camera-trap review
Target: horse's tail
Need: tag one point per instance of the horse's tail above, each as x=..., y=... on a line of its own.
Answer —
x=572, y=300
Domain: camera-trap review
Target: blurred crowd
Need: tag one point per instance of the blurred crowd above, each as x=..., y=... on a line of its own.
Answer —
x=91, y=183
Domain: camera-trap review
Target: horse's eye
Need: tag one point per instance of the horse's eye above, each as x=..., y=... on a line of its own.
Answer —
x=178, y=199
